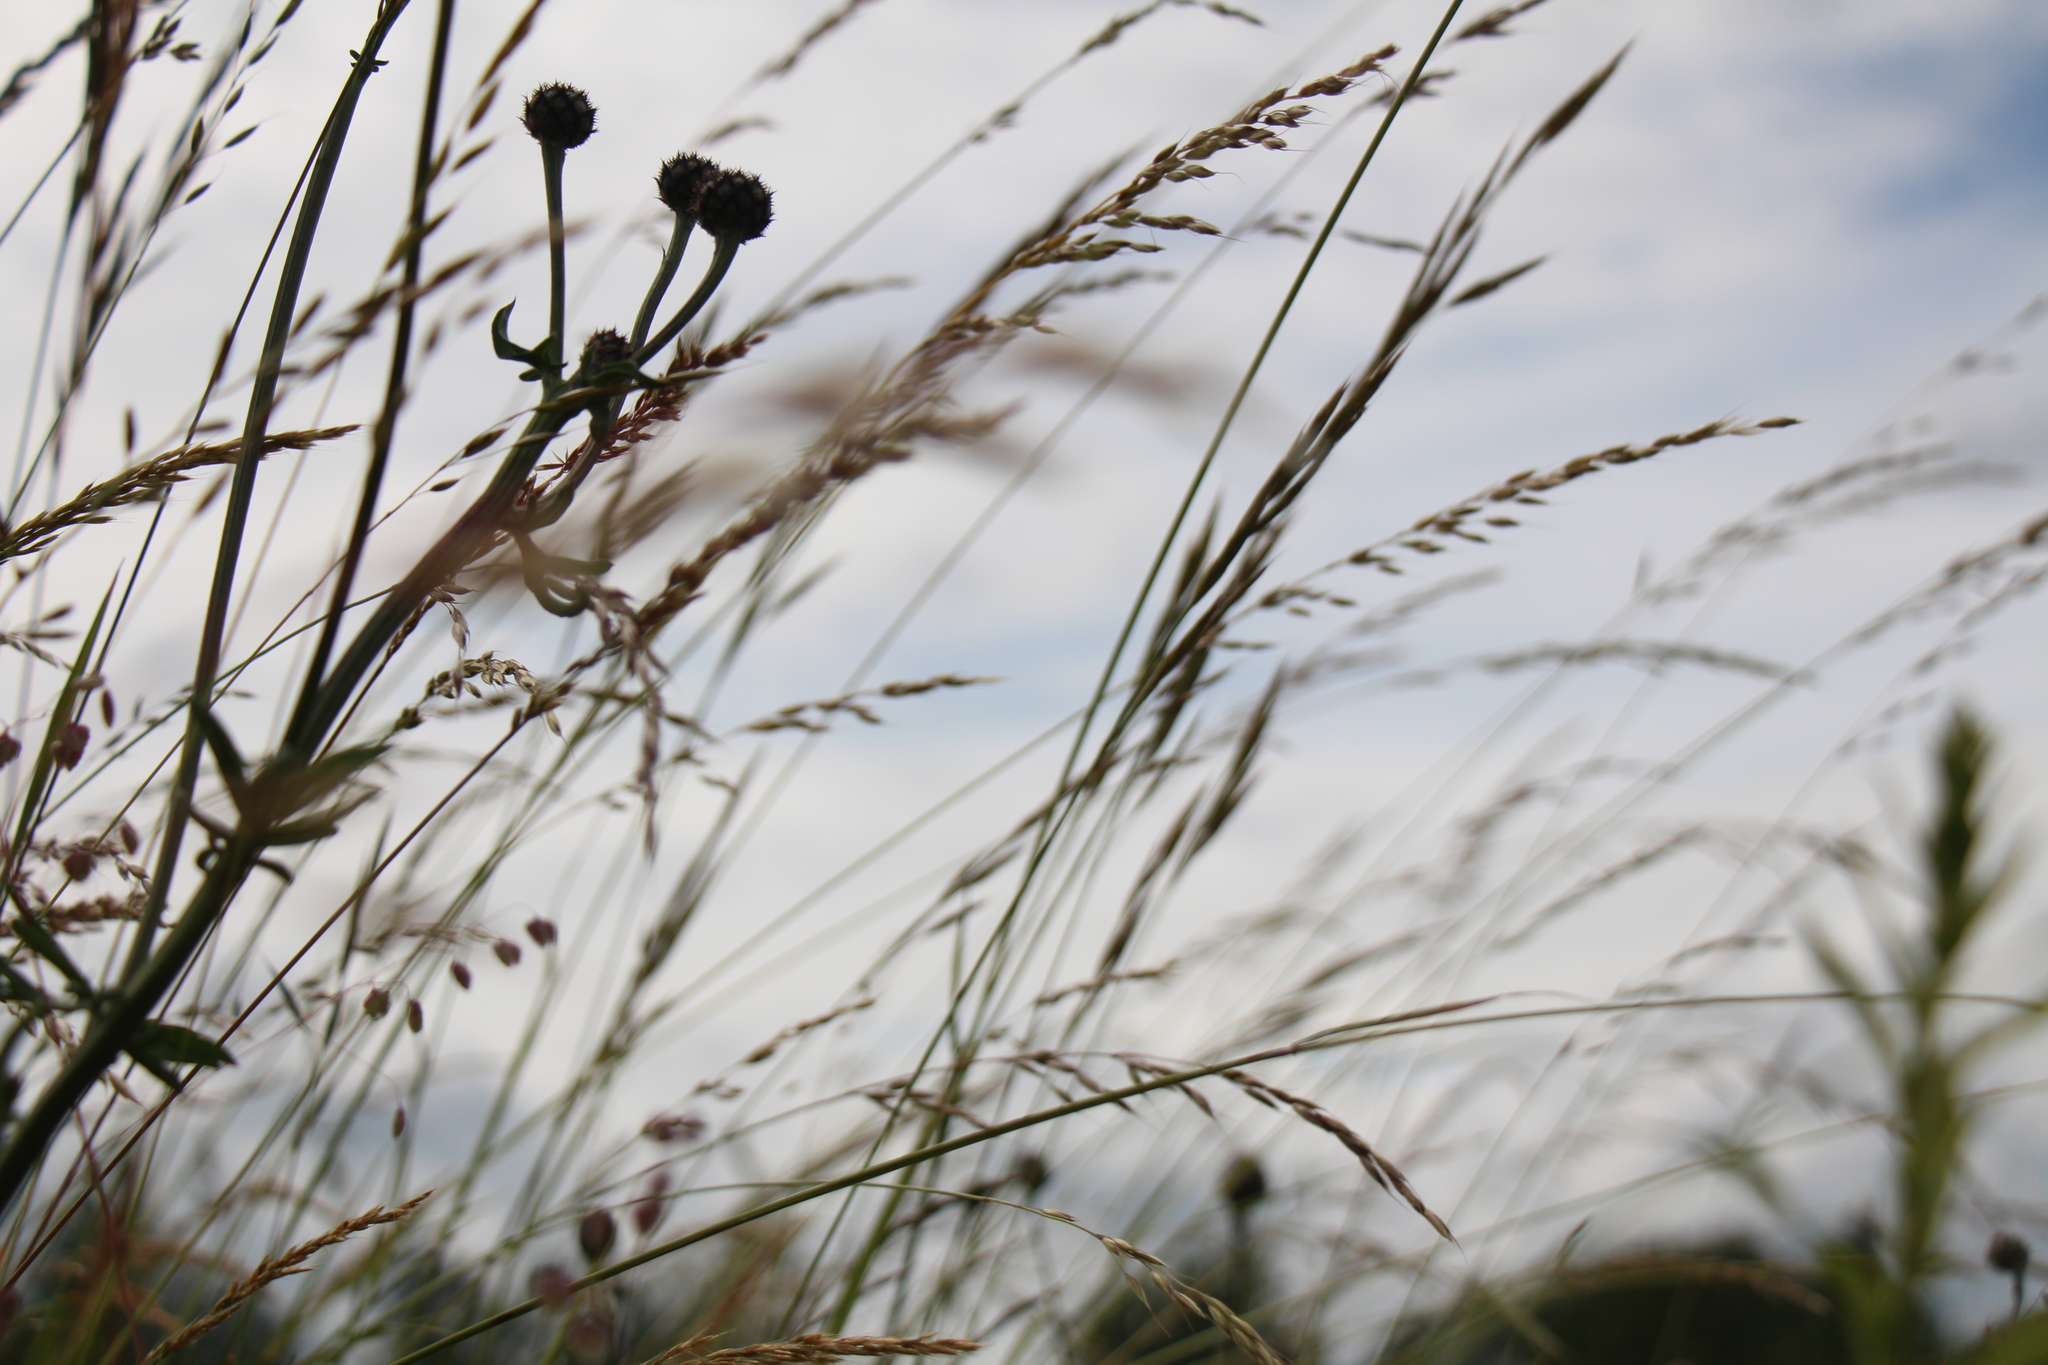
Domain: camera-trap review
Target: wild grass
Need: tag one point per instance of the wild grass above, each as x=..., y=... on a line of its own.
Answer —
x=332, y=920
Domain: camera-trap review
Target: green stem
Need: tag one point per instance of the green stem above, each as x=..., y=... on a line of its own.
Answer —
x=670, y=259
x=394, y=384
x=721, y=261
x=551, y=159
x=263, y=394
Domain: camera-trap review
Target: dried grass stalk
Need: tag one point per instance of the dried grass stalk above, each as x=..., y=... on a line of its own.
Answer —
x=293, y=1262
x=813, y=1349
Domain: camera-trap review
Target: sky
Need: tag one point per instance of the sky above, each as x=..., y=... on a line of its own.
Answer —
x=1804, y=209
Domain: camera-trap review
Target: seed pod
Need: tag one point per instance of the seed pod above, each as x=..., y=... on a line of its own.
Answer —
x=460, y=971
x=507, y=951
x=735, y=206
x=652, y=1206
x=679, y=180
x=70, y=745
x=596, y=1233
x=559, y=115
x=415, y=1017
x=78, y=861
x=553, y=1286
x=542, y=931
x=377, y=1003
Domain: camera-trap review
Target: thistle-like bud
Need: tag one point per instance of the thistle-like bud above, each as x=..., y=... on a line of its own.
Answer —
x=559, y=115
x=604, y=348
x=2007, y=1253
x=1244, y=1182
x=680, y=179
x=596, y=1233
x=734, y=205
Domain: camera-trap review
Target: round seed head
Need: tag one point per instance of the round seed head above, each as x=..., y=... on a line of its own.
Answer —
x=596, y=1233
x=679, y=179
x=1244, y=1182
x=734, y=205
x=2007, y=1253
x=559, y=115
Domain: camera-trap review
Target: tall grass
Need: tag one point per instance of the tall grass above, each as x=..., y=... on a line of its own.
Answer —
x=263, y=919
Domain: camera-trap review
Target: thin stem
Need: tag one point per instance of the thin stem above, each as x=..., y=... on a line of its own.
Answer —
x=551, y=158
x=721, y=261
x=242, y=491
x=401, y=353
x=671, y=257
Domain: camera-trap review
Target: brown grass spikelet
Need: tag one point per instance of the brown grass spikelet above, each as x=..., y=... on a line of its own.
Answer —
x=812, y=1349
x=292, y=1262
x=1383, y=1172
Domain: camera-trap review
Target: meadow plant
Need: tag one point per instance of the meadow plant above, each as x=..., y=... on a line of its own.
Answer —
x=241, y=911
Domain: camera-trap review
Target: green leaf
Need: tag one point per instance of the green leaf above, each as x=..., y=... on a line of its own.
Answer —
x=165, y=1045
x=501, y=338
x=2022, y=1343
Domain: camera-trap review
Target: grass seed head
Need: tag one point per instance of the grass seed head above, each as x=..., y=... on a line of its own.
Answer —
x=596, y=1233
x=460, y=971
x=541, y=931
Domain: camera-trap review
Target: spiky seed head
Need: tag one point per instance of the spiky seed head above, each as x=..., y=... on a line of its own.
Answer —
x=679, y=180
x=1244, y=1182
x=596, y=1233
x=604, y=348
x=2007, y=1253
x=559, y=115
x=734, y=205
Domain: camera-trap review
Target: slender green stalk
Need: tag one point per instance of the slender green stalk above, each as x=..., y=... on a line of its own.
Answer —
x=552, y=155
x=671, y=258
x=401, y=354
x=721, y=261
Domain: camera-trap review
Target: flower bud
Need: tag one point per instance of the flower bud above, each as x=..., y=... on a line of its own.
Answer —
x=377, y=1003
x=596, y=1233
x=415, y=1016
x=553, y=1286
x=460, y=971
x=734, y=205
x=2007, y=1253
x=78, y=861
x=605, y=347
x=507, y=951
x=559, y=116
x=652, y=1206
x=10, y=748
x=542, y=931
x=680, y=178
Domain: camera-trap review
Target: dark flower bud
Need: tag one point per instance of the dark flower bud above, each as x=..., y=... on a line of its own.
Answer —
x=507, y=951
x=554, y=1286
x=78, y=861
x=70, y=745
x=680, y=179
x=652, y=1206
x=10, y=748
x=596, y=1233
x=1031, y=1172
x=460, y=971
x=542, y=931
x=130, y=840
x=415, y=1016
x=2007, y=1253
x=734, y=205
x=107, y=708
x=604, y=348
x=559, y=116
x=398, y=1121
x=1244, y=1182
x=377, y=1003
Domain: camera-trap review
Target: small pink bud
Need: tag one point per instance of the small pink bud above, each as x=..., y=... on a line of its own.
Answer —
x=460, y=971
x=553, y=1286
x=69, y=745
x=78, y=861
x=596, y=1233
x=541, y=931
x=507, y=951
x=377, y=1003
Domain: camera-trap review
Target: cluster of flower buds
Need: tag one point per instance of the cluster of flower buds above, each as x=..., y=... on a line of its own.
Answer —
x=725, y=203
